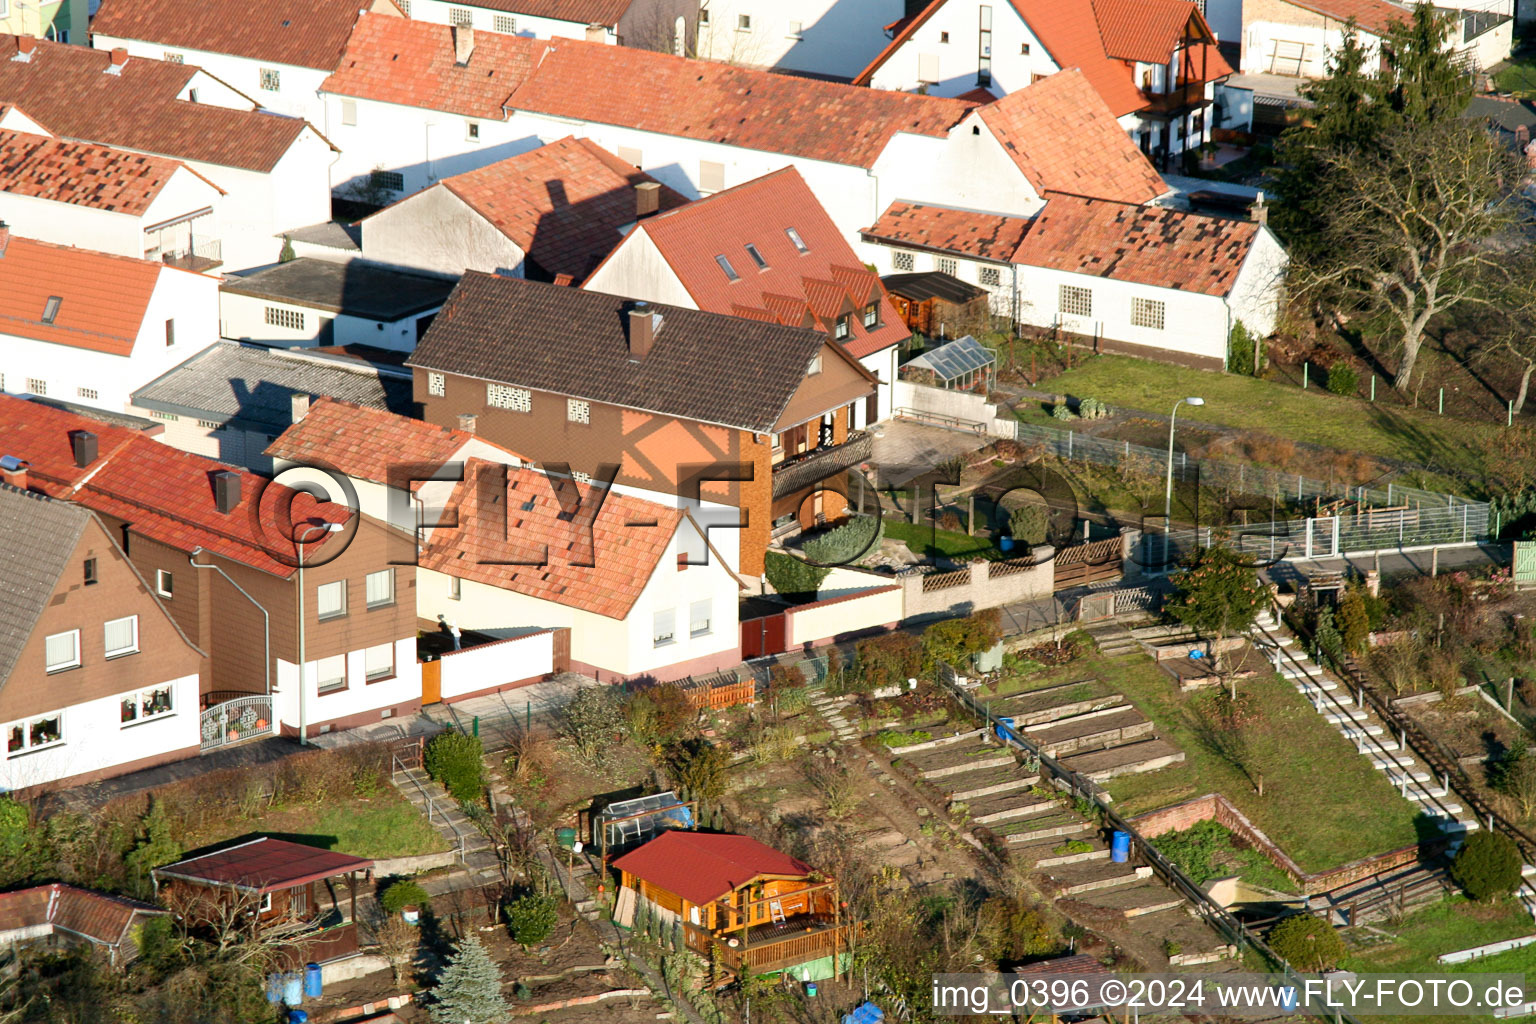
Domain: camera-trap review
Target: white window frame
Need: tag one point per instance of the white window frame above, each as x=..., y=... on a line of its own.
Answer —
x=743, y=23
x=472, y=132
x=325, y=684
x=388, y=575
x=1151, y=314
x=578, y=410
x=37, y=386
x=133, y=642
x=26, y=746
x=165, y=583
x=461, y=17
x=437, y=385
x=664, y=627
x=90, y=394
x=265, y=906
x=694, y=628
x=505, y=24
x=334, y=587
x=374, y=675
x=796, y=30
x=138, y=705
x=72, y=662
x=947, y=265
x=1074, y=300
x=814, y=366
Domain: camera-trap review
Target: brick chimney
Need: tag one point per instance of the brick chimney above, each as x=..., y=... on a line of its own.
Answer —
x=119, y=58
x=82, y=444
x=5, y=237
x=463, y=44
x=642, y=330
x=25, y=47
x=1258, y=212
x=467, y=422
x=14, y=471
x=647, y=199
x=299, y=406
x=226, y=491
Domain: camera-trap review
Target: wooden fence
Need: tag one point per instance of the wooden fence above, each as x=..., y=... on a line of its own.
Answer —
x=1093, y=562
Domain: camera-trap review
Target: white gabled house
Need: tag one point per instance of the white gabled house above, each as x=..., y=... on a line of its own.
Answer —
x=96, y=678
x=90, y=327
x=834, y=38
x=666, y=25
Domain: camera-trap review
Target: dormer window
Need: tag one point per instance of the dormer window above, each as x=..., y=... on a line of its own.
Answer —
x=51, y=309
x=757, y=257
x=871, y=314
x=844, y=325
x=730, y=271
x=794, y=236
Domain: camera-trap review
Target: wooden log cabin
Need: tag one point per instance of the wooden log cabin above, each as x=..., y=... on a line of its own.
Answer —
x=756, y=908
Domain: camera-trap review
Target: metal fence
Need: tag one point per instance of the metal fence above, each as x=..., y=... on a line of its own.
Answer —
x=236, y=720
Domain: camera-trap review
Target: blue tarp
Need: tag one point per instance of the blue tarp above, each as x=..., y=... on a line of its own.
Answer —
x=868, y=1013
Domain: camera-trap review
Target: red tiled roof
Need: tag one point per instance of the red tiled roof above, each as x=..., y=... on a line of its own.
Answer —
x=1374, y=16
x=93, y=915
x=563, y=204
x=1059, y=134
x=81, y=173
x=701, y=866
x=825, y=281
x=264, y=865
x=1143, y=30
x=597, y=558
x=362, y=442
x=301, y=33
x=162, y=493
x=988, y=236
x=103, y=297
x=1142, y=244
x=411, y=63
x=68, y=89
x=580, y=12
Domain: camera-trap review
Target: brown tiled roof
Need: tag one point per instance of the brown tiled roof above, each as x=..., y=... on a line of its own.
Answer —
x=1141, y=244
x=1060, y=135
x=82, y=173
x=563, y=204
x=701, y=867
x=574, y=544
x=1374, y=16
x=581, y=12
x=69, y=89
x=1148, y=30
x=822, y=282
x=264, y=865
x=301, y=33
x=164, y=494
x=363, y=443
x=987, y=236
x=716, y=369
x=103, y=297
x=92, y=915
x=411, y=63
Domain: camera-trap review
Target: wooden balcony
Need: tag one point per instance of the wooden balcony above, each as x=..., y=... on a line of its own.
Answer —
x=773, y=947
x=1190, y=95
x=801, y=471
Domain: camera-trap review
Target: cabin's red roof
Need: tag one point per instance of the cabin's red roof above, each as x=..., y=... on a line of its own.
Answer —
x=703, y=866
x=264, y=865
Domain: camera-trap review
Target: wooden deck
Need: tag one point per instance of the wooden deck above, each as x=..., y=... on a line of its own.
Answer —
x=772, y=947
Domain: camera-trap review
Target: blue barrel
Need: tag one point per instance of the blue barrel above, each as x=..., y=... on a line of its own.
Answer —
x=1004, y=728
x=298, y=1017
x=810, y=988
x=1005, y=543
x=293, y=988
x=274, y=988
x=1120, y=849
x=312, y=981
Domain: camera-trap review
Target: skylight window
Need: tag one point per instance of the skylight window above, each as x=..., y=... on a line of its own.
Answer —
x=794, y=236
x=757, y=257
x=730, y=271
x=51, y=309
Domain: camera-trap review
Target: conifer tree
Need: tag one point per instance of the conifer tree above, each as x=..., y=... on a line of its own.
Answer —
x=469, y=988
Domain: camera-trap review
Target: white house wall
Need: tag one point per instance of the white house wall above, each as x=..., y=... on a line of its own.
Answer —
x=496, y=664
x=970, y=169
x=1194, y=324
x=486, y=20
x=260, y=206
x=1321, y=38
x=359, y=697
x=296, y=95
x=436, y=232
x=1256, y=296
x=956, y=60
x=95, y=738
x=71, y=224
x=883, y=365
x=1000, y=296
x=836, y=37
x=637, y=269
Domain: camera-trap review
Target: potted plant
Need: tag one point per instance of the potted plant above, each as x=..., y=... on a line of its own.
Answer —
x=406, y=898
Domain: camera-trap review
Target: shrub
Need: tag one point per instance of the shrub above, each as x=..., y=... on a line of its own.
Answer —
x=786, y=689
x=1241, y=346
x=592, y=718
x=531, y=918
x=1061, y=412
x=1029, y=524
x=954, y=640
x=846, y=543
x=700, y=766
x=1487, y=866
x=888, y=659
x=660, y=714
x=402, y=894
x=1092, y=409
x=789, y=575
x=1353, y=620
x=1075, y=846
x=1079, y=644
x=456, y=761
x=892, y=738
x=1343, y=380
x=1308, y=943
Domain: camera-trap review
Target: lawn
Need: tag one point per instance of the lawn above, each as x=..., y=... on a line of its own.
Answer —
x=1446, y=927
x=381, y=826
x=1445, y=443
x=1320, y=825
x=926, y=541
x=1519, y=77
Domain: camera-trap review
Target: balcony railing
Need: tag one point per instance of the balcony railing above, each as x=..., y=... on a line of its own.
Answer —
x=801, y=471
x=773, y=947
x=201, y=254
x=1180, y=97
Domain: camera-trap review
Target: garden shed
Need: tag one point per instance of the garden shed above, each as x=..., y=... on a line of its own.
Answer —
x=964, y=364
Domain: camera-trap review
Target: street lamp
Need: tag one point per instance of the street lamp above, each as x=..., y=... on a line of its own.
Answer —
x=299, y=542
x=1168, y=498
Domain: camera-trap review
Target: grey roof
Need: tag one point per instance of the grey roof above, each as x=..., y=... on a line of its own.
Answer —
x=354, y=288
x=1504, y=115
x=702, y=366
x=38, y=538
x=252, y=386
x=932, y=284
x=332, y=234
